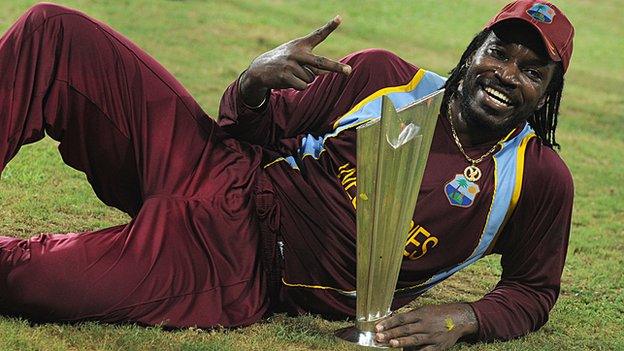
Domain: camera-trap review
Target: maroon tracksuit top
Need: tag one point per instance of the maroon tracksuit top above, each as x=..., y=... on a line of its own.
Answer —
x=315, y=218
x=202, y=202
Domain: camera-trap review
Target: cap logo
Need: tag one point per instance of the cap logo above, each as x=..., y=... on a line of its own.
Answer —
x=541, y=13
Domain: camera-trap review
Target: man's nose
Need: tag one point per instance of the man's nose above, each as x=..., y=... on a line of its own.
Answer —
x=508, y=74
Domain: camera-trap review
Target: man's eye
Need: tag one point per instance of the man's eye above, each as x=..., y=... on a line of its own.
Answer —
x=533, y=74
x=497, y=53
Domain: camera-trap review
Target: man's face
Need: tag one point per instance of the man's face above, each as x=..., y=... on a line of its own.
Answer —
x=507, y=78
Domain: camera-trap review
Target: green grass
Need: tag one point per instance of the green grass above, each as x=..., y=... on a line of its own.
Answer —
x=206, y=45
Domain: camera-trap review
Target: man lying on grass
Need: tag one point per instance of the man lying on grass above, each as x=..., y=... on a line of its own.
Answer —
x=256, y=214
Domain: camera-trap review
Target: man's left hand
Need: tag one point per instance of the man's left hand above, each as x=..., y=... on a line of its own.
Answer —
x=428, y=328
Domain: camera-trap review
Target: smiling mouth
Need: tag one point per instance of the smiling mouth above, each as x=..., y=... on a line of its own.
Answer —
x=498, y=95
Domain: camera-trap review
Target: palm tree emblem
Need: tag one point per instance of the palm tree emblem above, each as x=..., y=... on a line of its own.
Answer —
x=462, y=182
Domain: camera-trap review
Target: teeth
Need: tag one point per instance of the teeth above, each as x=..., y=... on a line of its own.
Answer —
x=498, y=95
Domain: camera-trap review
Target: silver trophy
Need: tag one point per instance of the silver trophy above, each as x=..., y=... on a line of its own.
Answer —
x=392, y=154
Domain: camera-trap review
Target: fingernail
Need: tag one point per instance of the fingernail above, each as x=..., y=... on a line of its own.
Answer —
x=346, y=69
x=394, y=343
x=380, y=336
x=338, y=18
x=379, y=327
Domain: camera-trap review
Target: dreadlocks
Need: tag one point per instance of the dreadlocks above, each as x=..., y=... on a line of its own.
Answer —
x=543, y=121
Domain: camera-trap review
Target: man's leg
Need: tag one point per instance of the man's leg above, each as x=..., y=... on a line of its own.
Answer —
x=159, y=269
x=189, y=255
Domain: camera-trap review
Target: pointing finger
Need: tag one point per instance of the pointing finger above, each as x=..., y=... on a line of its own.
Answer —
x=317, y=36
x=323, y=63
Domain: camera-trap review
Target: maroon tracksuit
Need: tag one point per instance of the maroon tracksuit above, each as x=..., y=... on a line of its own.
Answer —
x=201, y=248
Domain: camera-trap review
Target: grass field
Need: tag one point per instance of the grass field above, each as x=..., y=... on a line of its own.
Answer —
x=207, y=43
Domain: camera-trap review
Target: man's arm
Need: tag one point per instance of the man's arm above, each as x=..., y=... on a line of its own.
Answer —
x=533, y=248
x=249, y=111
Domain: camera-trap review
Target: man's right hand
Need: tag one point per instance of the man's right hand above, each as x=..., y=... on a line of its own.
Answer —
x=290, y=65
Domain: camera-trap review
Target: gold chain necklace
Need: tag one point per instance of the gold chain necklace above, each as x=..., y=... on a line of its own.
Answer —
x=472, y=172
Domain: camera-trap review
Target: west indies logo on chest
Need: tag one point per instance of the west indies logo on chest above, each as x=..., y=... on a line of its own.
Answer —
x=460, y=191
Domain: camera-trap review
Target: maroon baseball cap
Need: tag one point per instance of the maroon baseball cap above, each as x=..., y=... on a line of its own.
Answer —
x=555, y=28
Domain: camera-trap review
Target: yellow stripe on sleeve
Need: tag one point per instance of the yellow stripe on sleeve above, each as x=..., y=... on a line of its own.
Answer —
x=397, y=89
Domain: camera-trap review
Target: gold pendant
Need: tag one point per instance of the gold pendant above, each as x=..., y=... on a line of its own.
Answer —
x=472, y=173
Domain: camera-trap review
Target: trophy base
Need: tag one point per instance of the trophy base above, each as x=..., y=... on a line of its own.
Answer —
x=366, y=340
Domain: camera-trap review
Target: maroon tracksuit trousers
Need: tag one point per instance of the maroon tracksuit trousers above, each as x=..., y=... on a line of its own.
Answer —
x=190, y=254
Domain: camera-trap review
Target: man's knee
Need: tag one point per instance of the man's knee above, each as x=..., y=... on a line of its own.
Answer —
x=45, y=10
x=39, y=13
